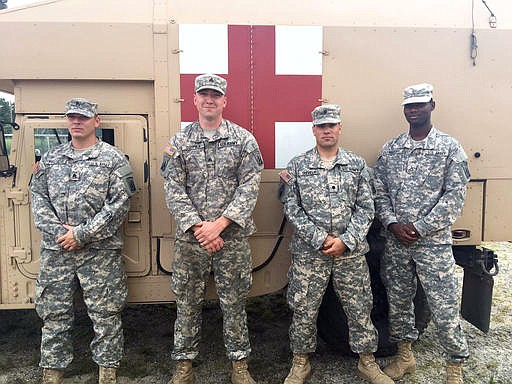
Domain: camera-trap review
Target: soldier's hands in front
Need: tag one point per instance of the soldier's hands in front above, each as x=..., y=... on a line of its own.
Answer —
x=404, y=233
x=207, y=231
x=215, y=245
x=68, y=241
x=333, y=246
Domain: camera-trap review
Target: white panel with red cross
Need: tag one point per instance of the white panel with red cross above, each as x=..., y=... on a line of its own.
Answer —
x=274, y=76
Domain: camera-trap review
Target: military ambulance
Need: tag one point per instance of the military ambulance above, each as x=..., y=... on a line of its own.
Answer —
x=138, y=60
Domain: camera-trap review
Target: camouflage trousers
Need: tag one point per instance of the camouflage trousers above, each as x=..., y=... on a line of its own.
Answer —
x=435, y=267
x=231, y=267
x=308, y=277
x=102, y=278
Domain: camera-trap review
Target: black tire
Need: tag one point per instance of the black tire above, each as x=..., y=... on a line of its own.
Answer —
x=332, y=321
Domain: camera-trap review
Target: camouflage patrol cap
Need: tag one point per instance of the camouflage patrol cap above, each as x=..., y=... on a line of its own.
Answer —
x=419, y=93
x=326, y=114
x=211, y=81
x=82, y=107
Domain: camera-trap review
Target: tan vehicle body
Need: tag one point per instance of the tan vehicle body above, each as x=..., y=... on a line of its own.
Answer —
x=125, y=56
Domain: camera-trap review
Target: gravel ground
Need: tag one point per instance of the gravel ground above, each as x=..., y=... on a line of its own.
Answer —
x=148, y=330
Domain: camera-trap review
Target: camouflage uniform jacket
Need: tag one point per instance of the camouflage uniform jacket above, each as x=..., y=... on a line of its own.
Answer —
x=88, y=190
x=423, y=183
x=208, y=178
x=337, y=201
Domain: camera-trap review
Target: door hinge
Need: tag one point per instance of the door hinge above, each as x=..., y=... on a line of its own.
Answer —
x=18, y=196
x=20, y=255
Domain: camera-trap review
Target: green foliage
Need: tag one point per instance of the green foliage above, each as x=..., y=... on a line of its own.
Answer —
x=6, y=113
x=46, y=138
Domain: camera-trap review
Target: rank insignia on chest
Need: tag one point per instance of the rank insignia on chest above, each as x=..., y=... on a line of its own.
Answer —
x=170, y=150
x=285, y=176
x=75, y=176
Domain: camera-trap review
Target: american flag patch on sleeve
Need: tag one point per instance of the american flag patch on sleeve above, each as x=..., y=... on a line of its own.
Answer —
x=37, y=168
x=170, y=150
x=285, y=176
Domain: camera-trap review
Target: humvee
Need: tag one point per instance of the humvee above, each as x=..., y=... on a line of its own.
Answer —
x=138, y=60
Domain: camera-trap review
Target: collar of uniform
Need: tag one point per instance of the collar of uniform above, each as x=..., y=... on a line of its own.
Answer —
x=91, y=153
x=223, y=129
x=342, y=157
x=68, y=150
x=196, y=132
x=316, y=161
x=429, y=142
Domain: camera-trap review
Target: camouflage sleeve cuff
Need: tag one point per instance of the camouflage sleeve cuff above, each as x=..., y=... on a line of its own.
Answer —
x=386, y=221
x=185, y=225
x=349, y=241
x=318, y=238
x=237, y=220
x=78, y=234
x=421, y=227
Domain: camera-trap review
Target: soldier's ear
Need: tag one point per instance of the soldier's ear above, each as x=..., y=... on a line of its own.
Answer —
x=433, y=104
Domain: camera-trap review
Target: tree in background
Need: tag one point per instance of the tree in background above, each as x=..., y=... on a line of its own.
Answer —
x=6, y=111
x=7, y=116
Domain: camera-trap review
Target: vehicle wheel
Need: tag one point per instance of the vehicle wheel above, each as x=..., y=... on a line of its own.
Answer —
x=332, y=321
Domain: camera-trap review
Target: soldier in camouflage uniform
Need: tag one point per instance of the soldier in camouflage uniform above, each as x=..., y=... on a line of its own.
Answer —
x=328, y=199
x=211, y=174
x=420, y=182
x=80, y=197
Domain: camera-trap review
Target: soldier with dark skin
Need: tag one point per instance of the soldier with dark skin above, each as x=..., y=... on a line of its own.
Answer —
x=420, y=181
x=211, y=174
x=80, y=197
x=418, y=115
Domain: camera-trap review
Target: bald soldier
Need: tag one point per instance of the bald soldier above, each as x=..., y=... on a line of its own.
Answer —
x=211, y=174
x=80, y=198
x=328, y=199
x=420, y=183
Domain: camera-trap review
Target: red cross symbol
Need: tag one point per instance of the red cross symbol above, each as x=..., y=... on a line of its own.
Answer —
x=257, y=97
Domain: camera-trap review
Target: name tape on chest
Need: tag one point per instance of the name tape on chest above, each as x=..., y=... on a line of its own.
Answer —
x=194, y=147
x=227, y=143
x=311, y=172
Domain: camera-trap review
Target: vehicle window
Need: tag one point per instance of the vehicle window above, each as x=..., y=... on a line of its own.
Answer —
x=5, y=148
x=47, y=138
x=6, y=128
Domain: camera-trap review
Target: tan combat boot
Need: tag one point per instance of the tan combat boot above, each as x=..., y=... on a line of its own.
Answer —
x=454, y=373
x=183, y=373
x=52, y=376
x=107, y=376
x=300, y=370
x=240, y=374
x=369, y=370
x=404, y=361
